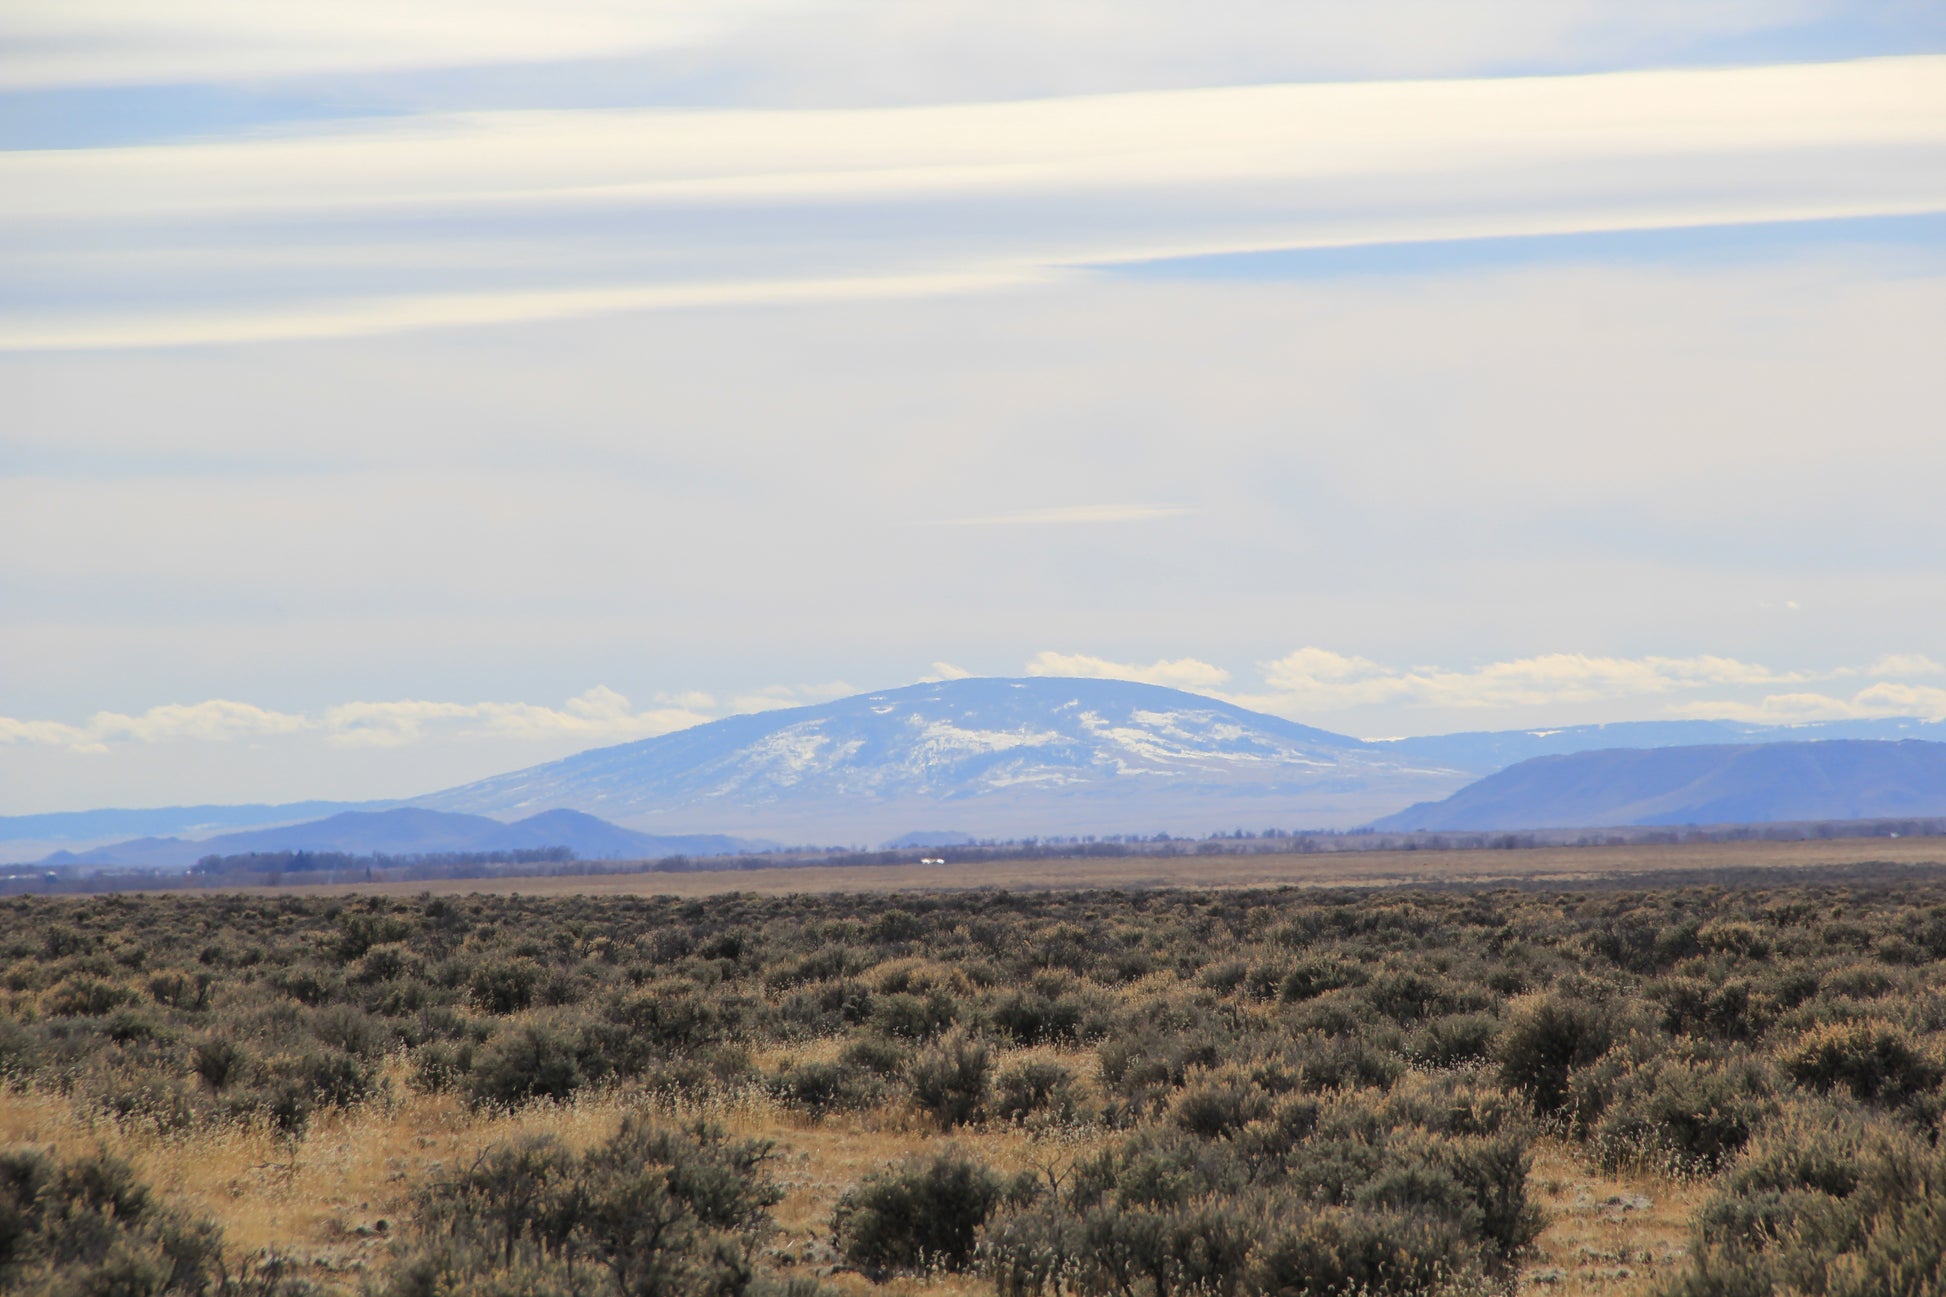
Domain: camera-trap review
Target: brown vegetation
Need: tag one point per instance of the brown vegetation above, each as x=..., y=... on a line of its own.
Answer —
x=1677, y=861
x=1689, y=1090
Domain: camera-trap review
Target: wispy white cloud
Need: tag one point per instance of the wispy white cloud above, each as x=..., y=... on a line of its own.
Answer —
x=1904, y=666
x=1068, y=146
x=765, y=206
x=1181, y=673
x=688, y=699
x=1317, y=679
x=861, y=50
x=214, y=720
x=773, y=697
x=1879, y=701
x=1075, y=513
x=597, y=715
x=395, y=313
x=110, y=41
x=1306, y=683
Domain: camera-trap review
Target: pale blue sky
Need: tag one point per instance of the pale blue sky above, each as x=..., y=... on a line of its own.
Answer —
x=398, y=394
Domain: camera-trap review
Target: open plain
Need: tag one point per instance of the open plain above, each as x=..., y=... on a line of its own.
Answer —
x=1592, y=1082
x=1472, y=868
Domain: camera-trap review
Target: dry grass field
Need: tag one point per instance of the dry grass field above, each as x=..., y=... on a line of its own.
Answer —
x=1151, y=1078
x=1344, y=869
x=329, y=1202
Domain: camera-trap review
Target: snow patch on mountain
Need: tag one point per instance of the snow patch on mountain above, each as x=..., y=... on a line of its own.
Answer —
x=1015, y=756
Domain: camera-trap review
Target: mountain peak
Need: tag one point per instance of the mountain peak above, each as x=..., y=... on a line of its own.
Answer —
x=1022, y=756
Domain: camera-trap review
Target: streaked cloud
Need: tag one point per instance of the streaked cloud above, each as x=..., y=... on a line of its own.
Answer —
x=1879, y=701
x=1074, y=513
x=1904, y=666
x=632, y=340
x=1312, y=681
x=601, y=714
x=600, y=211
x=866, y=51
x=1305, y=684
x=216, y=720
x=688, y=699
x=1478, y=129
x=95, y=42
x=1316, y=679
x=372, y=316
x=772, y=697
x=1182, y=673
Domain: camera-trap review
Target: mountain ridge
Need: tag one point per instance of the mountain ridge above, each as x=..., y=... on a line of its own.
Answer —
x=409, y=831
x=1484, y=751
x=1001, y=757
x=991, y=757
x=1831, y=779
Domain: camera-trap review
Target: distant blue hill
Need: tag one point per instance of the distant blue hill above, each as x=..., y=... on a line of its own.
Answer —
x=79, y=826
x=930, y=838
x=411, y=831
x=1835, y=779
x=995, y=758
x=1487, y=750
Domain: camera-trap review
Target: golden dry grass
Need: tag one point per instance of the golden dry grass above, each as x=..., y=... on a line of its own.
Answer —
x=1606, y=1234
x=1358, y=869
x=329, y=1202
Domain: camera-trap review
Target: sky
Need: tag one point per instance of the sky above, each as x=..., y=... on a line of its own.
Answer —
x=398, y=394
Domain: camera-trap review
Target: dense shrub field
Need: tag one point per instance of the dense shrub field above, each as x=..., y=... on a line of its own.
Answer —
x=1224, y=1092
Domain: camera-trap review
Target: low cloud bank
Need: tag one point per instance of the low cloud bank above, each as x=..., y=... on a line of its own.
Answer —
x=1302, y=685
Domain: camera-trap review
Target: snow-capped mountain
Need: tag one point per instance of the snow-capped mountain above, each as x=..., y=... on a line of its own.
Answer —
x=937, y=763
x=988, y=757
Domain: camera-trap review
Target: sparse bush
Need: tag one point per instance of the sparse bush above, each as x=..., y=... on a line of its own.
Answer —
x=1031, y=1018
x=924, y=1215
x=506, y=987
x=1545, y=1039
x=1871, y=1060
x=86, y=997
x=19, y=1050
x=529, y=1061
x=218, y=1062
x=88, y=1226
x=913, y=1017
x=1034, y=1088
x=949, y=1081
x=1728, y=1010
x=331, y=1077
x=1336, y=1252
x=440, y=1065
x=1828, y=1204
x=1316, y=1063
x=1454, y=1040
x=1295, y=1087
x=657, y=1212
x=1218, y=1106
x=1667, y=1113
x=1315, y=975
x=181, y=990
x=875, y=1054
x=824, y=1087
